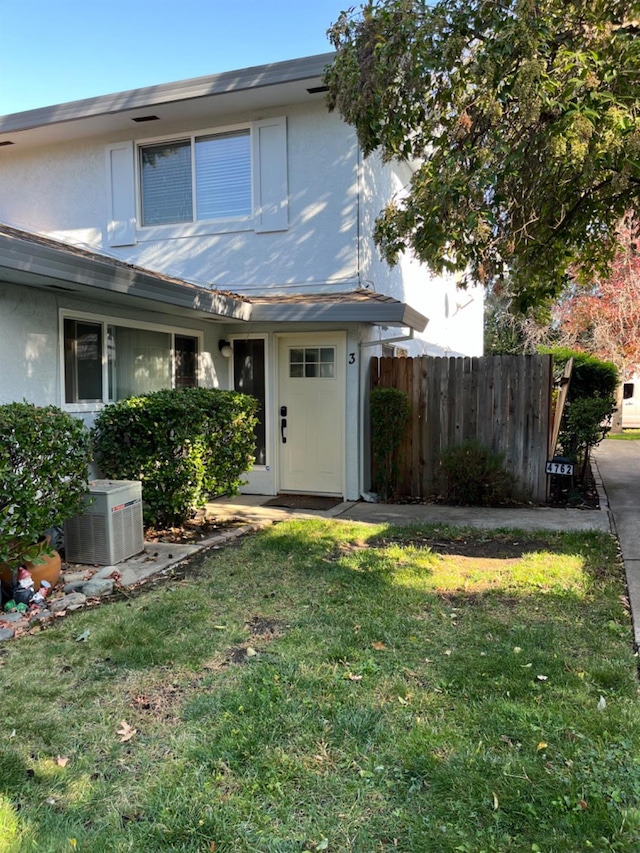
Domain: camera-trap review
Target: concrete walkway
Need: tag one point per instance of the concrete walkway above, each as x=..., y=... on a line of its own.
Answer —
x=618, y=465
x=251, y=509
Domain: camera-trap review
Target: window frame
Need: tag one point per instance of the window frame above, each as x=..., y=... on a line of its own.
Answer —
x=196, y=227
x=105, y=321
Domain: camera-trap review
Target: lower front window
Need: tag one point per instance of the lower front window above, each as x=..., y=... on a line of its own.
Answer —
x=105, y=362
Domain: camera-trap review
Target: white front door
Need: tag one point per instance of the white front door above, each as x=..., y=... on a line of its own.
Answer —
x=311, y=412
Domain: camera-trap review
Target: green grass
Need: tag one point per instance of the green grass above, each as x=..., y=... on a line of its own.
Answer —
x=341, y=687
x=626, y=435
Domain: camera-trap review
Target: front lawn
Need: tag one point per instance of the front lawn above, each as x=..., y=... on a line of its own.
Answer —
x=333, y=686
x=626, y=435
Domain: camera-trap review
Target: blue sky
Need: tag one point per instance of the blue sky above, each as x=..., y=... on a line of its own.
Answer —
x=53, y=51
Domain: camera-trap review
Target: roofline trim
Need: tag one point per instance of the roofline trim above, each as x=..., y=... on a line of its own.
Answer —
x=392, y=313
x=259, y=76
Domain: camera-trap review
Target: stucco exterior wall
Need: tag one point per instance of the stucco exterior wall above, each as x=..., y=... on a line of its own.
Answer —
x=62, y=191
x=455, y=316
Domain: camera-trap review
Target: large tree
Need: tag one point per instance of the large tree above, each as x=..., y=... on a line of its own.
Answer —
x=603, y=318
x=522, y=118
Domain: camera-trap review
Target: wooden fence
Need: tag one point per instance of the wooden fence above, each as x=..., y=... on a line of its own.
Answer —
x=503, y=401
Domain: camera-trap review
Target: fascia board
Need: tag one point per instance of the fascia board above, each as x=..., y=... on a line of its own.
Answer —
x=388, y=313
x=257, y=77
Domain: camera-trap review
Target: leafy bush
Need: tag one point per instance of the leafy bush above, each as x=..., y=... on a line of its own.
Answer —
x=390, y=413
x=185, y=445
x=591, y=402
x=591, y=376
x=473, y=475
x=44, y=467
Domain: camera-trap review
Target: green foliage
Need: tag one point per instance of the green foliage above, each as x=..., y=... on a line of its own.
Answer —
x=590, y=404
x=390, y=413
x=522, y=119
x=473, y=475
x=44, y=466
x=185, y=445
x=591, y=376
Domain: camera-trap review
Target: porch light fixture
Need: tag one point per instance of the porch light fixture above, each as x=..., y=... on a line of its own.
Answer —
x=225, y=348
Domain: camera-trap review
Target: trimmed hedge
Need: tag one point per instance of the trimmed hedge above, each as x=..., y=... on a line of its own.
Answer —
x=186, y=446
x=390, y=413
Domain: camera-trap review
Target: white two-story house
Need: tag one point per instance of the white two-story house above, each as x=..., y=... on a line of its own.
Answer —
x=214, y=231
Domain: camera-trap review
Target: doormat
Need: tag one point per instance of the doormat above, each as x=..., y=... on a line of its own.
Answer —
x=303, y=502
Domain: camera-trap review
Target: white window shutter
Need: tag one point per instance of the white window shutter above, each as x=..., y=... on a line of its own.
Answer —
x=271, y=189
x=121, y=225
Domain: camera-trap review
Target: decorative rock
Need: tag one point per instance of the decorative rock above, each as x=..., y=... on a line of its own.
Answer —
x=75, y=577
x=73, y=601
x=6, y=634
x=105, y=572
x=98, y=588
x=75, y=586
x=11, y=617
x=41, y=616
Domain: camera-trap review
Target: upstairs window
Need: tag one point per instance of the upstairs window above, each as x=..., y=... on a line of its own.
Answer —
x=196, y=179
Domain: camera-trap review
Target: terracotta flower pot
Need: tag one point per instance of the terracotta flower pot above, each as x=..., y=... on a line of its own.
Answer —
x=49, y=570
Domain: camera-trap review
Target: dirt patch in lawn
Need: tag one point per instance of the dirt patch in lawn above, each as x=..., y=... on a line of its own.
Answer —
x=193, y=531
x=500, y=547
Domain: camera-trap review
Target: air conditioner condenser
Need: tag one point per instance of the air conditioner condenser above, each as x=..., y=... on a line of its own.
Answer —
x=110, y=529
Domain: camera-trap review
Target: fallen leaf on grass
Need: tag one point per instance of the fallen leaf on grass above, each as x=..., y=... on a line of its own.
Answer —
x=496, y=804
x=82, y=638
x=351, y=677
x=541, y=745
x=125, y=731
x=62, y=761
x=378, y=646
x=542, y=677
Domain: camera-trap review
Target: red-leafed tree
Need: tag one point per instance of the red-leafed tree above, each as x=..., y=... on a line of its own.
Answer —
x=604, y=317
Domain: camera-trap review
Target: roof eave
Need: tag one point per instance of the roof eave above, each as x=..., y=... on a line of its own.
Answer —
x=46, y=264
x=228, y=82
x=377, y=313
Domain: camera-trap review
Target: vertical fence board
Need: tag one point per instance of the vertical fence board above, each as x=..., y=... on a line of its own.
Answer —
x=502, y=401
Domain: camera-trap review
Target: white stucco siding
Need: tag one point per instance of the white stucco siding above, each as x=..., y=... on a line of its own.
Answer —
x=63, y=192
x=57, y=191
x=455, y=317
x=28, y=346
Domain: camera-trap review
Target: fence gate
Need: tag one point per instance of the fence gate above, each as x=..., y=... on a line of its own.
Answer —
x=502, y=401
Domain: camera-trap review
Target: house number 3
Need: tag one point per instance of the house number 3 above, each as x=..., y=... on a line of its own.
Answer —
x=352, y=358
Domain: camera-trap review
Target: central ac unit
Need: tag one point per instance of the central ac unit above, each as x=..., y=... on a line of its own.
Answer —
x=110, y=529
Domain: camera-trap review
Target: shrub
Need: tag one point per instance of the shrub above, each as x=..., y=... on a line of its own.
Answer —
x=390, y=413
x=44, y=467
x=591, y=402
x=473, y=475
x=185, y=445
